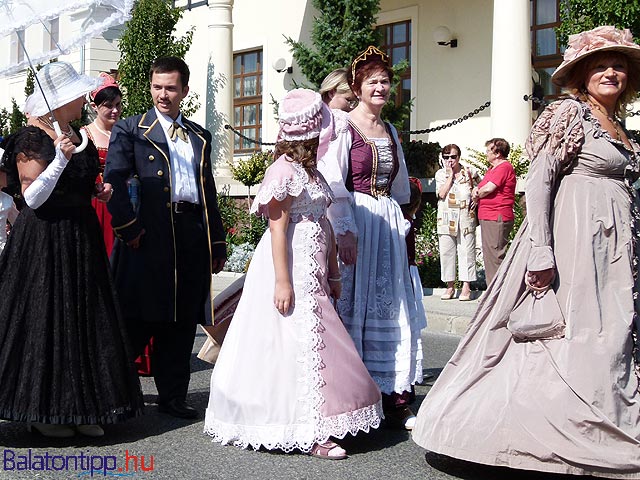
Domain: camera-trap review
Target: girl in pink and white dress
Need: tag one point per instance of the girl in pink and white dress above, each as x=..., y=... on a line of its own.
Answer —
x=288, y=375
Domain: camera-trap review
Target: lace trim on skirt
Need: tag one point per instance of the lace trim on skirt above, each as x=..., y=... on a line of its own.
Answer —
x=289, y=436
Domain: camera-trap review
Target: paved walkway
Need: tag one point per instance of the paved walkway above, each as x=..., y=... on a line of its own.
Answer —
x=159, y=447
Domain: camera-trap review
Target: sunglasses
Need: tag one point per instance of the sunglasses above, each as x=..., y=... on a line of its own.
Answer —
x=447, y=157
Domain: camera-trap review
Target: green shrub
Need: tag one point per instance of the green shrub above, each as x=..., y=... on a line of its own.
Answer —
x=429, y=270
x=427, y=252
x=519, y=212
x=252, y=233
x=230, y=212
x=422, y=158
x=239, y=225
x=250, y=171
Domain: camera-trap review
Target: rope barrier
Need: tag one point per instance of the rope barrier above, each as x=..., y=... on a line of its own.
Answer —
x=461, y=119
x=469, y=115
x=259, y=141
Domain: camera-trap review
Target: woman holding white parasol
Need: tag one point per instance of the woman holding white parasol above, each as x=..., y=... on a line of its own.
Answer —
x=65, y=362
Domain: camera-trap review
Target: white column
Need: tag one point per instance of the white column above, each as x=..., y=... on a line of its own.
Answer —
x=220, y=82
x=511, y=71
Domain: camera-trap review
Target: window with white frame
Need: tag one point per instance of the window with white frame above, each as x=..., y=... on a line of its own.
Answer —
x=247, y=100
x=18, y=46
x=189, y=4
x=54, y=33
x=396, y=42
x=546, y=52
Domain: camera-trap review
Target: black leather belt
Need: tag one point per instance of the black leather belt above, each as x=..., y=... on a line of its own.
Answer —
x=185, y=207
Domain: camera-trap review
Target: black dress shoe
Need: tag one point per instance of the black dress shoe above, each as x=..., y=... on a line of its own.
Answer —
x=178, y=408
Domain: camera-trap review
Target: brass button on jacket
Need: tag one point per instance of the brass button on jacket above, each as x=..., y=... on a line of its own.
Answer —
x=160, y=173
x=151, y=158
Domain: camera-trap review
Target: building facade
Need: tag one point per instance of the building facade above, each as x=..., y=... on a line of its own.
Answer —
x=240, y=63
x=445, y=82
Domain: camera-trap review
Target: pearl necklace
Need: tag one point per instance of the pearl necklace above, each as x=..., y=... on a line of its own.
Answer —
x=104, y=132
x=47, y=123
x=614, y=123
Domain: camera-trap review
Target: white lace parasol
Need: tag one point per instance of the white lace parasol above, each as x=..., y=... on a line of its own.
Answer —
x=17, y=15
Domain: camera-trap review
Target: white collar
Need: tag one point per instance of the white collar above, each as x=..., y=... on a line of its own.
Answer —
x=166, y=120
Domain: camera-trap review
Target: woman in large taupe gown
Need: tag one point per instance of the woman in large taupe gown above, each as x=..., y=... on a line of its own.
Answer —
x=568, y=405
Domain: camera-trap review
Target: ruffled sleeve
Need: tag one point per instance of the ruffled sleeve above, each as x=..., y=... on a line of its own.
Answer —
x=552, y=147
x=334, y=166
x=400, y=190
x=282, y=178
x=632, y=170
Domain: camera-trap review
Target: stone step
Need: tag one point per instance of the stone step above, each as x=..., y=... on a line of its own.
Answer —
x=444, y=323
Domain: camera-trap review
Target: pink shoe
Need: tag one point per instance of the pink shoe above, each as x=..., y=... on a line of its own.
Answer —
x=329, y=451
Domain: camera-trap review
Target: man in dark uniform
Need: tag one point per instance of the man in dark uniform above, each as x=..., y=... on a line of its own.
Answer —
x=165, y=252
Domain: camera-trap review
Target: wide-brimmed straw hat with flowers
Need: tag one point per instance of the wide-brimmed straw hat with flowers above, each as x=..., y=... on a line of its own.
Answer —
x=61, y=84
x=600, y=39
x=300, y=115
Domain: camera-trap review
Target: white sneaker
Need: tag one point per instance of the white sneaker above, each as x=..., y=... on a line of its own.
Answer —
x=410, y=422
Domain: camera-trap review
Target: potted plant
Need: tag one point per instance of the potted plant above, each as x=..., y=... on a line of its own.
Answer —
x=250, y=171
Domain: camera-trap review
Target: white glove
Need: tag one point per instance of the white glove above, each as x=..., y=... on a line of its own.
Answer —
x=40, y=189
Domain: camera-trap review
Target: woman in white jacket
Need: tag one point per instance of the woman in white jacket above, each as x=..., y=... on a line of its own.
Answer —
x=365, y=168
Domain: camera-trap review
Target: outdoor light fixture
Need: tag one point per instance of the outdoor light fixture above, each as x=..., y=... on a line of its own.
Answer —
x=442, y=36
x=280, y=66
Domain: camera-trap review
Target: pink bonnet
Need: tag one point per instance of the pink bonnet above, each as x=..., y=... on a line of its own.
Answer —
x=109, y=81
x=300, y=113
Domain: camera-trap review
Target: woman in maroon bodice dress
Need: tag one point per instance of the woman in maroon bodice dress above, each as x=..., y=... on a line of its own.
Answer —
x=367, y=173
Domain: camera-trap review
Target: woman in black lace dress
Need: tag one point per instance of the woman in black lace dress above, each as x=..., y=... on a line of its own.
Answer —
x=65, y=362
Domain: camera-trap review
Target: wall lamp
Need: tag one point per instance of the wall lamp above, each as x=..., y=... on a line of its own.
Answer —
x=280, y=66
x=442, y=35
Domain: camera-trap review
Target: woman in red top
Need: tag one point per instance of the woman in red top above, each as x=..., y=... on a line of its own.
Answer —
x=106, y=102
x=495, y=195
